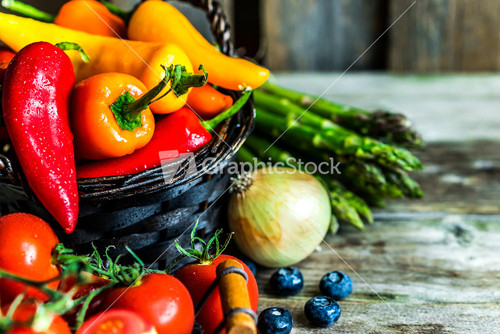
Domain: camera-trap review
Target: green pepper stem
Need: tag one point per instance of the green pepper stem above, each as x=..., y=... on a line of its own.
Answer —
x=212, y=123
x=28, y=10
x=127, y=110
x=132, y=110
x=68, y=46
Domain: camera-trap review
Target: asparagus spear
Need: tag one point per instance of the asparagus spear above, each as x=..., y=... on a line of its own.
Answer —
x=408, y=186
x=365, y=173
x=342, y=208
x=354, y=201
x=366, y=179
x=380, y=124
x=358, y=168
x=336, y=139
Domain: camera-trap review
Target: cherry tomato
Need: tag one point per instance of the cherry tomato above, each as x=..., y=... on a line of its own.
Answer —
x=198, y=277
x=117, y=322
x=160, y=298
x=25, y=312
x=25, y=250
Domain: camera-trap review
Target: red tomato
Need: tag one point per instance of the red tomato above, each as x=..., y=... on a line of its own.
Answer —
x=117, y=322
x=25, y=250
x=198, y=277
x=25, y=312
x=160, y=298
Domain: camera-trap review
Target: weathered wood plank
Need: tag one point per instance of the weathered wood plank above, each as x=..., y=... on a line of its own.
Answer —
x=445, y=35
x=428, y=266
x=322, y=34
x=459, y=178
x=411, y=274
x=458, y=118
x=455, y=108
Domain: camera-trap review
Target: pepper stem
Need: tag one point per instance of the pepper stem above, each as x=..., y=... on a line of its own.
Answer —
x=212, y=123
x=127, y=110
x=28, y=10
x=133, y=109
x=67, y=46
x=204, y=256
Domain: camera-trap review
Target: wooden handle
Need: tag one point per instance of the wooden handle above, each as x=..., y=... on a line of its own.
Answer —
x=234, y=295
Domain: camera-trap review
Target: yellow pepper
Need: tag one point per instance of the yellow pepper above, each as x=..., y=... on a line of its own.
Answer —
x=142, y=60
x=158, y=21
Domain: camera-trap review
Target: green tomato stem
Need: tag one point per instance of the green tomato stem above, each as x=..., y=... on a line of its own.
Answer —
x=39, y=285
x=86, y=303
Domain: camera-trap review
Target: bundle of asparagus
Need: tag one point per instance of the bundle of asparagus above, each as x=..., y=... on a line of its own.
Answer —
x=370, y=147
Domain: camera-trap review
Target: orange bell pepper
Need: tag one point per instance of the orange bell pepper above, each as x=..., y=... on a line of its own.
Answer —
x=142, y=60
x=158, y=21
x=106, y=119
x=97, y=132
x=208, y=102
x=86, y=15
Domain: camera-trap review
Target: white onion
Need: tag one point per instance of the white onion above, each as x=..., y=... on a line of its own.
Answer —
x=278, y=215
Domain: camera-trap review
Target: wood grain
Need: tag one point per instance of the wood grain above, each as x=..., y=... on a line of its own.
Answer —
x=424, y=266
x=445, y=35
x=458, y=108
x=321, y=34
x=431, y=267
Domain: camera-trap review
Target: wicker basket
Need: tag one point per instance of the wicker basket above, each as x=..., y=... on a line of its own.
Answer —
x=144, y=211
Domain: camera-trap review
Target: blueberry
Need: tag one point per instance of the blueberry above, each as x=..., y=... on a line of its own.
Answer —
x=336, y=284
x=287, y=281
x=322, y=311
x=275, y=320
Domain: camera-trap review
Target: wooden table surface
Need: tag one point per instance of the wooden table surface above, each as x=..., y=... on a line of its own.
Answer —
x=424, y=266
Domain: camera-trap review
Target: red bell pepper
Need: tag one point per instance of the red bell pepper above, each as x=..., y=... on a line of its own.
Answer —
x=36, y=93
x=181, y=131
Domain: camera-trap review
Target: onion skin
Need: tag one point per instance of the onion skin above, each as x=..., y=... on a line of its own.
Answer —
x=281, y=217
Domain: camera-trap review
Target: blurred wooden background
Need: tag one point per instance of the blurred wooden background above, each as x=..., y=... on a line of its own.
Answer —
x=327, y=35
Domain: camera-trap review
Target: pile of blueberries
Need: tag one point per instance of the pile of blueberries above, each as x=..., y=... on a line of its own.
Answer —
x=321, y=311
